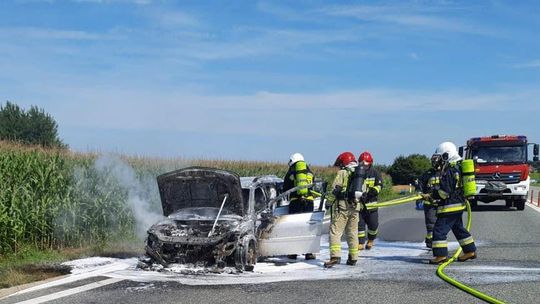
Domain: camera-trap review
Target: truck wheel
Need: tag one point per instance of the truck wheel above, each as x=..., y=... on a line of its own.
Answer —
x=509, y=203
x=520, y=204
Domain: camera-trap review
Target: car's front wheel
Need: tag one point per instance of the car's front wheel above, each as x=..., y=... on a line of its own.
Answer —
x=246, y=257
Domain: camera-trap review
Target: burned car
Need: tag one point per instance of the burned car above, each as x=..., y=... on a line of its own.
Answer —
x=214, y=217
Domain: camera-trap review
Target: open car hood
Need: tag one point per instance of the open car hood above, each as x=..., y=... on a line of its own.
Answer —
x=200, y=187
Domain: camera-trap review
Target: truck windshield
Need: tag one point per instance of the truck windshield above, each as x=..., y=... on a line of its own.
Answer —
x=508, y=154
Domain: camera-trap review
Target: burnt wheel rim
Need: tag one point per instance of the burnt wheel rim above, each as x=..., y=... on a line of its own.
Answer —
x=251, y=256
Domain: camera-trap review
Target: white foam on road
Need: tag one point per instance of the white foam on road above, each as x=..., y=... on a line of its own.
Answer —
x=86, y=268
x=387, y=260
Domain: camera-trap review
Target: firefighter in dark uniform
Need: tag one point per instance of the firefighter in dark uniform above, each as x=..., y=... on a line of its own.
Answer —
x=300, y=201
x=429, y=182
x=450, y=207
x=372, y=187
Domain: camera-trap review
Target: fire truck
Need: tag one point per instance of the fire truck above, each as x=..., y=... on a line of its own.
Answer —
x=501, y=168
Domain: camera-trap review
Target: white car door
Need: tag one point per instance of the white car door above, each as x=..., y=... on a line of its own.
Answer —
x=292, y=233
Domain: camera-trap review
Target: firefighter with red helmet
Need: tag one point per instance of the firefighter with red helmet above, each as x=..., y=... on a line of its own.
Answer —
x=345, y=212
x=372, y=185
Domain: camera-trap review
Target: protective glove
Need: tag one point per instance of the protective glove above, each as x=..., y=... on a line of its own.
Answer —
x=426, y=197
x=338, y=194
x=358, y=195
x=328, y=204
x=364, y=197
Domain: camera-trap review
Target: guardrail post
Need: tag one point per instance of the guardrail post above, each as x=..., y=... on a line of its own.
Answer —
x=532, y=196
x=538, y=201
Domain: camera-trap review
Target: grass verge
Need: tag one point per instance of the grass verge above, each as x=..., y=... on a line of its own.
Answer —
x=31, y=264
x=535, y=176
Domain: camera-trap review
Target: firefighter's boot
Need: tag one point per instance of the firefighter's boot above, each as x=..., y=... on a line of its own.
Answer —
x=350, y=261
x=292, y=256
x=370, y=244
x=467, y=256
x=360, y=246
x=310, y=256
x=438, y=260
x=333, y=261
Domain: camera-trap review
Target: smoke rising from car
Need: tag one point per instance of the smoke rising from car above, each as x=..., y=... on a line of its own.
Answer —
x=141, y=191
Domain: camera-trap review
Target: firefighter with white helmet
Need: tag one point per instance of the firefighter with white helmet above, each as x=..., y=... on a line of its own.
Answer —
x=450, y=207
x=344, y=212
x=301, y=200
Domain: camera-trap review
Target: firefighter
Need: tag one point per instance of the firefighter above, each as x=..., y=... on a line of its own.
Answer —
x=428, y=182
x=300, y=201
x=418, y=189
x=450, y=207
x=371, y=188
x=345, y=212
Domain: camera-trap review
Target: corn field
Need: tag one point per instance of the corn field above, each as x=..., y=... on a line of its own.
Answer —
x=54, y=199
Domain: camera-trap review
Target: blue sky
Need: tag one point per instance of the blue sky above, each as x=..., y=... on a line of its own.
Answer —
x=261, y=80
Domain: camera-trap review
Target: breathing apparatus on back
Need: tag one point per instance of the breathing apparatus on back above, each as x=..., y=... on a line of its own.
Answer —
x=449, y=156
x=302, y=176
x=356, y=185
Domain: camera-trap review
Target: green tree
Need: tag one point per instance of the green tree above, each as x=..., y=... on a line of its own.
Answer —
x=33, y=127
x=405, y=169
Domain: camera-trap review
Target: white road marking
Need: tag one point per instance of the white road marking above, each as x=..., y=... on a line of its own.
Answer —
x=69, y=292
x=101, y=266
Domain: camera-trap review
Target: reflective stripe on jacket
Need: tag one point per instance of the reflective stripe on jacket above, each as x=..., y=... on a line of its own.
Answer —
x=430, y=181
x=373, y=180
x=450, y=192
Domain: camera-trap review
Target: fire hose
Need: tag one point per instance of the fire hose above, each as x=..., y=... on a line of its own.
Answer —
x=440, y=269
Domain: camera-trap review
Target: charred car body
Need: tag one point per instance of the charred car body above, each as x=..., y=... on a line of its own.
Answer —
x=214, y=217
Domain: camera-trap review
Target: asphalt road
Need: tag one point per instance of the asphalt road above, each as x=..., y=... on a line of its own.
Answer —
x=507, y=268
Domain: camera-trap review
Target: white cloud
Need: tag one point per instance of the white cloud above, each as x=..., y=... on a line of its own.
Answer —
x=142, y=2
x=280, y=11
x=259, y=113
x=48, y=34
x=115, y=1
x=429, y=17
x=533, y=64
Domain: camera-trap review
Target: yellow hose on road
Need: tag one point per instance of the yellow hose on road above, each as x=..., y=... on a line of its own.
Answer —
x=458, y=284
x=440, y=269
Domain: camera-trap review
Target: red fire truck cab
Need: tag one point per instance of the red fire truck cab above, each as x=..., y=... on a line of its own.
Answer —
x=501, y=168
